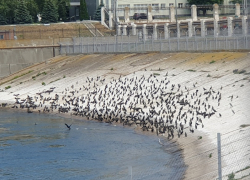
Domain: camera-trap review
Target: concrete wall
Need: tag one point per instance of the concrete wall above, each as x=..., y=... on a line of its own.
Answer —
x=13, y=60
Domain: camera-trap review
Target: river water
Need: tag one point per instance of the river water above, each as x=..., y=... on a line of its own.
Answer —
x=34, y=146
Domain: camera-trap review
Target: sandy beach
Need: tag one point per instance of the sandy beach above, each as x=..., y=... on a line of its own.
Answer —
x=220, y=80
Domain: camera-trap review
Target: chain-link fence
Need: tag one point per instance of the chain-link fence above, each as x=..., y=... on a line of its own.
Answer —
x=136, y=44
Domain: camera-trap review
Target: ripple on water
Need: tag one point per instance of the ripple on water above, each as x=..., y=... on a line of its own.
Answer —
x=90, y=150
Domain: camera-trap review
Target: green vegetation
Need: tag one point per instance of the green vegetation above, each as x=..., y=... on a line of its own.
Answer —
x=64, y=76
x=247, y=167
x=231, y=176
x=83, y=10
x=16, y=77
x=208, y=75
x=191, y=70
x=112, y=69
x=210, y=155
x=244, y=125
x=7, y=87
x=98, y=11
x=156, y=74
x=199, y=137
x=236, y=71
x=22, y=15
x=242, y=85
x=55, y=80
x=49, y=13
x=43, y=83
x=212, y=62
x=34, y=77
x=25, y=11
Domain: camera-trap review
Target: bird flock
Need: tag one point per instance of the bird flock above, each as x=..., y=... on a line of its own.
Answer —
x=151, y=102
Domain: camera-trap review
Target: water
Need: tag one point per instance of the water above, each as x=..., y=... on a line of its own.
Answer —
x=34, y=146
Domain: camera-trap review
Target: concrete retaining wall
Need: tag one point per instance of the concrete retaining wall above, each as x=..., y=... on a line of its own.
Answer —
x=13, y=60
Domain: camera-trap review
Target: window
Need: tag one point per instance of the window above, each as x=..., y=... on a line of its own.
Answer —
x=163, y=6
x=77, y=11
x=180, y=5
x=107, y=4
x=155, y=7
x=141, y=8
x=1, y=36
x=171, y=4
x=187, y=5
x=122, y=6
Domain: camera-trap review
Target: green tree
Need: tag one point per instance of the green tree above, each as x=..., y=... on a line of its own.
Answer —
x=63, y=9
x=83, y=10
x=202, y=2
x=22, y=15
x=49, y=13
x=3, y=19
x=98, y=11
x=10, y=9
x=33, y=9
x=40, y=4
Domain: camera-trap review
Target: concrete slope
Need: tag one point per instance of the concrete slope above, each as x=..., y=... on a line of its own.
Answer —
x=223, y=75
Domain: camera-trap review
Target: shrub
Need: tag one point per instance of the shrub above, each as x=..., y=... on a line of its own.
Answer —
x=43, y=83
x=212, y=62
x=231, y=176
x=7, y=87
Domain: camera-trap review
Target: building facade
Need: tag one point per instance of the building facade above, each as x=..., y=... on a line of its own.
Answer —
x=160, y=7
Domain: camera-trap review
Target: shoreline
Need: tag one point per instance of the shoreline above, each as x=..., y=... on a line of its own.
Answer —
x=188, y=69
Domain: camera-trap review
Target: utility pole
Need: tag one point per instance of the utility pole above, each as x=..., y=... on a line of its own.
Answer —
x=176, y=14
x=115, y=11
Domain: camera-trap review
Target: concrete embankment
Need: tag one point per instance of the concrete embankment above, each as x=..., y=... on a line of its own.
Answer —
x=19, y=54
x=211, y=90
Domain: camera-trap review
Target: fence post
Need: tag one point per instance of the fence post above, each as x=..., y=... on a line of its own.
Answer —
x=219, y=156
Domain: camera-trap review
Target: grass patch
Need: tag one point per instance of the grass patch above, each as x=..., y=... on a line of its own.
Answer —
x=17, y=77
x=210, y=155
x=213, y=61
x=55, y=80
x=236, y=71
x=34, y=77
x=199, y=137
x=247, y=167
x=21, y=82
x=244, y=125
x=231, y=176
x=208, y=75
x=64, y=76
x=7, y=87
x=43, y=83
x=112, y=69
x=156, y=74
x=191, y=70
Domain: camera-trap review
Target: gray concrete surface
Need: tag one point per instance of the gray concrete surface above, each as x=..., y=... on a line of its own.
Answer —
x=13, y=60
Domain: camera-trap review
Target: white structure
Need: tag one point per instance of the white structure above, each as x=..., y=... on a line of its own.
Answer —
x=160, y=7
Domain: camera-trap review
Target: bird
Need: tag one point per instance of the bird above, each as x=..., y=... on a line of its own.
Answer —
x=68, y=126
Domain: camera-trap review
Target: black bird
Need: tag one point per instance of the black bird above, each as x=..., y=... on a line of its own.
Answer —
x=68, y=126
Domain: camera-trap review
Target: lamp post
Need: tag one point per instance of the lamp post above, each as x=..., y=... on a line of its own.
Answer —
x=176, y=16
x=115, y=12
